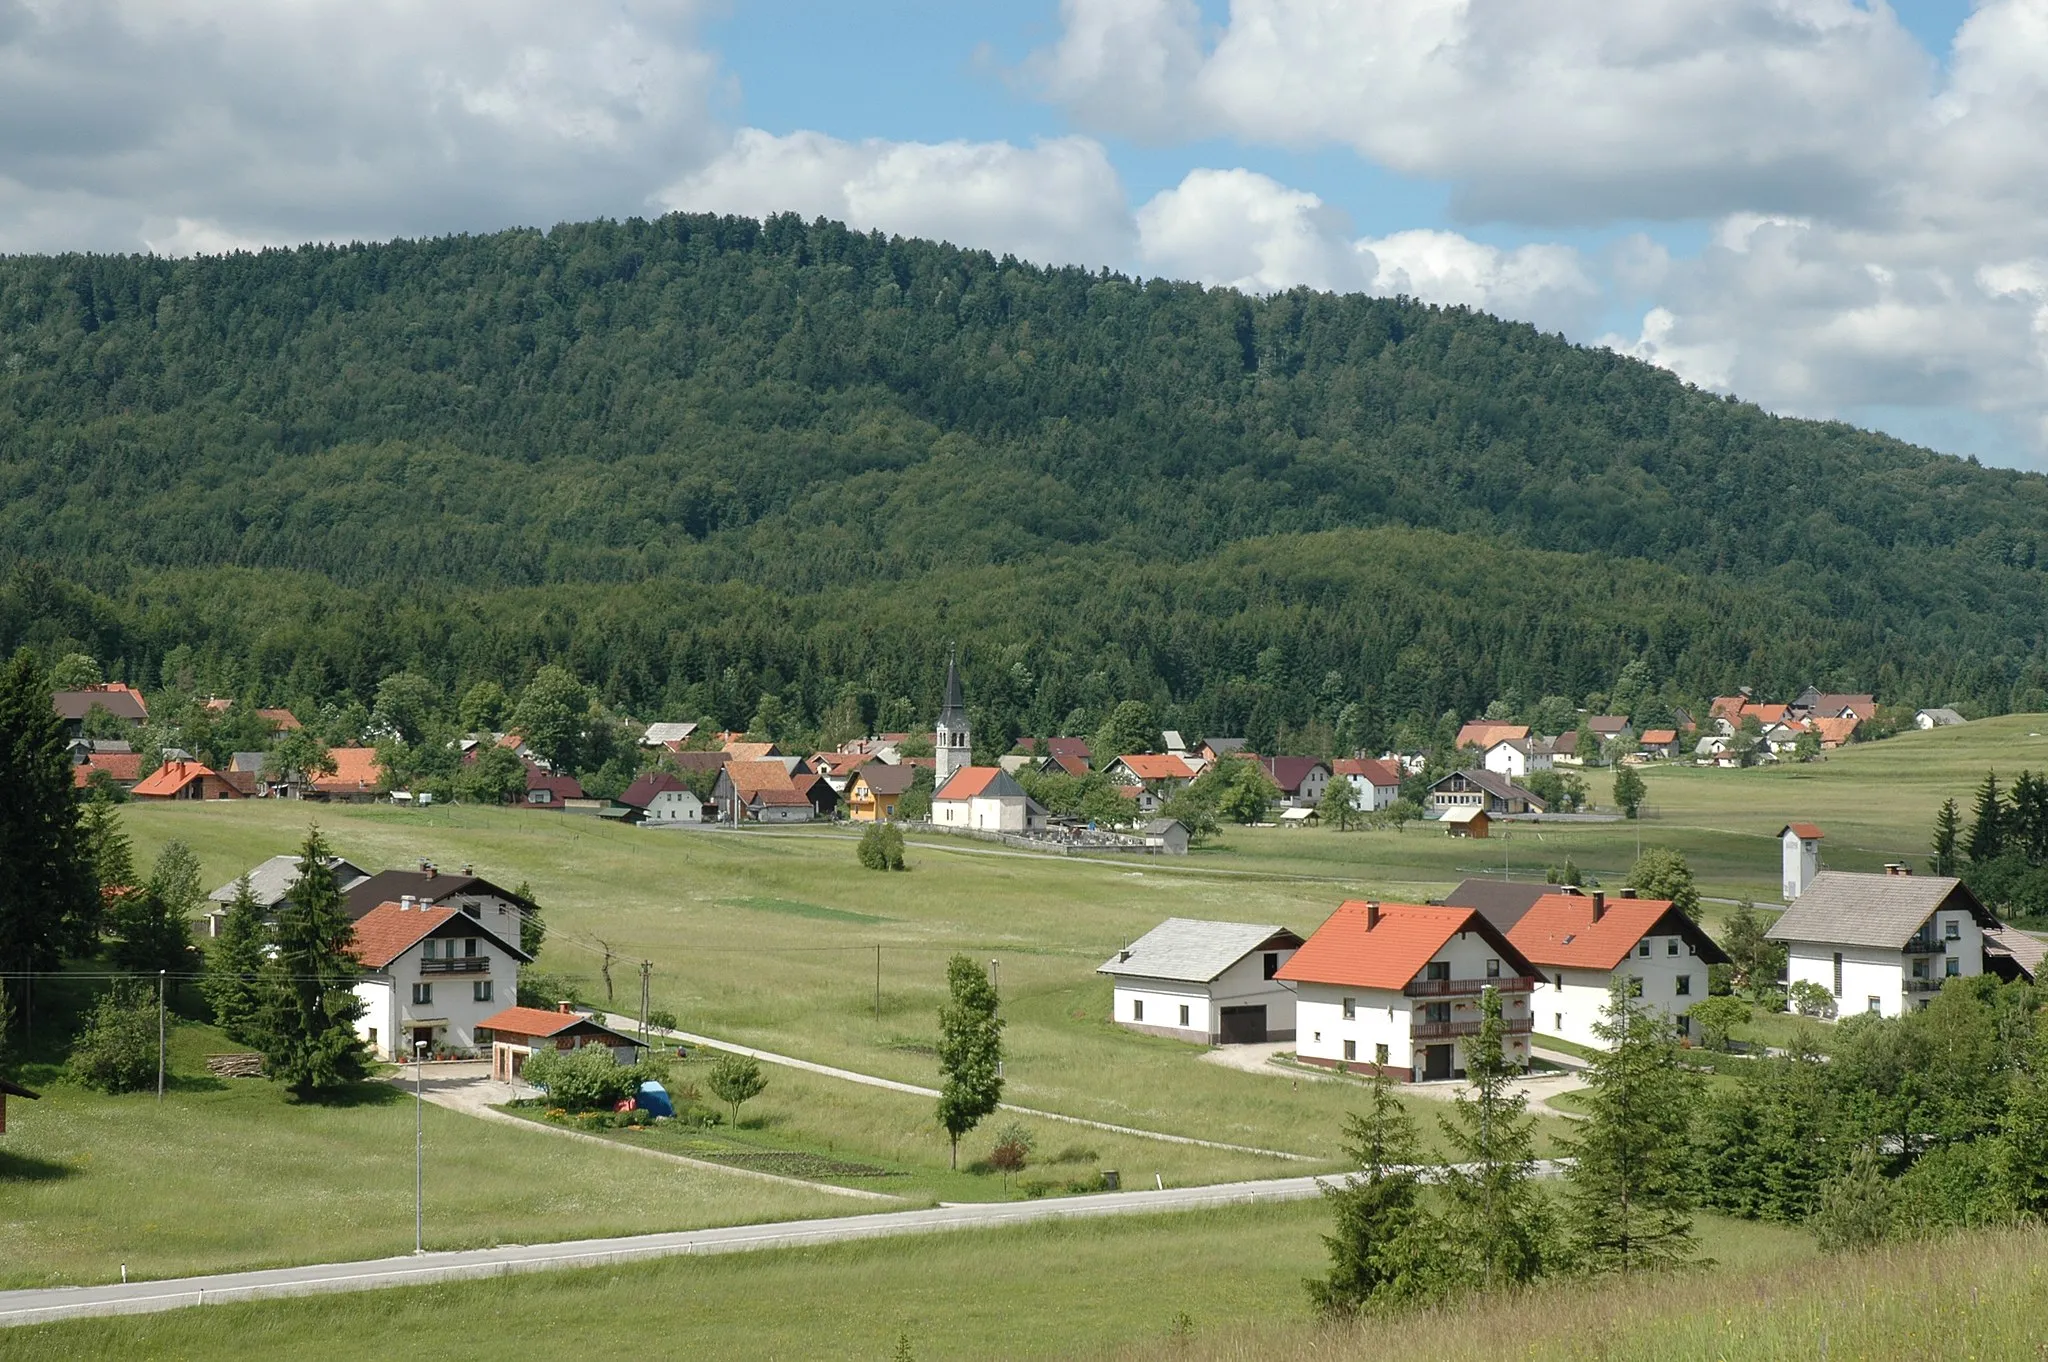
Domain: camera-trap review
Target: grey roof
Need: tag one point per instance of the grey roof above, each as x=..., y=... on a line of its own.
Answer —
x=657, y=734
x=1493, y=782
x=247, y=761
x=1158, y=827
x=1943, y=718
x=272, y=881
x=1223, y=746
x=1193, y=951
x=1498, y=901
x=1840, y=908
x=2025, y=949
x=953, y=718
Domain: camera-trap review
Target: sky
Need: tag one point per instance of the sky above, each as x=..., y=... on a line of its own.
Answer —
x=1831, y=207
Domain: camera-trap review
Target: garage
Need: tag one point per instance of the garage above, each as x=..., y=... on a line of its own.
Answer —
x=1243, y=1025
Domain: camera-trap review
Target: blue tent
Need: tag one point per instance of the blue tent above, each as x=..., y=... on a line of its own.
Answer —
x=654, y=1099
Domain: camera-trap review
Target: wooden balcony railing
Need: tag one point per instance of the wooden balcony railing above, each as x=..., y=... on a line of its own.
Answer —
x=462, y=964
x=1444, y=988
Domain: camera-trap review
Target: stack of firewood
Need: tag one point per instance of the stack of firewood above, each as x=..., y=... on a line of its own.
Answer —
x=235, y=1066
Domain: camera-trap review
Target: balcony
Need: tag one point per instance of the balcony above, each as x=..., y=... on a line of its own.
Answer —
x=1925, y=985
x=1521, y=1026
x=1927, y=945
x=1447, y=988
x=463, y=964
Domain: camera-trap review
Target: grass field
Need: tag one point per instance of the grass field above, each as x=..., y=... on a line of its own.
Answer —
x=1085, y=1288
x=229, y=1174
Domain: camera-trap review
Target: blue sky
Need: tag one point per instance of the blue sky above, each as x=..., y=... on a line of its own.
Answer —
x=1830, y=207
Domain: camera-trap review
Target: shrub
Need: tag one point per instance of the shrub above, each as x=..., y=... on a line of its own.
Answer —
x=734, y=1080
x=881, y=847
x=1075, y=1153
x=582, y=1079
x=662, y=1019
x=1811, y=1000
x=117, y=1049
x=1012, y=1149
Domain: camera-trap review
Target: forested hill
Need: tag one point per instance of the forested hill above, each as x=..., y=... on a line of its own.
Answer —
x=459, y=454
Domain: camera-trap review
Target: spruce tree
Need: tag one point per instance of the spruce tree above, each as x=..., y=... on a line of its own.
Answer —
x=232, y=970
x=48, y=903
x=1987, y=825
x=106, y=846
x=1947, y=839
x=533, y=930
x=970, y=1051
x=308, y=1009
x=1629, y=1188
x=1385, y=1246
x=1499, y=1221
x=153, y=922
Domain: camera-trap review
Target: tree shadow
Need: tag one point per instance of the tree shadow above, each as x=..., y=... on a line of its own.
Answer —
x=28, y=1168
x=365, y=1094
x=205, y=1082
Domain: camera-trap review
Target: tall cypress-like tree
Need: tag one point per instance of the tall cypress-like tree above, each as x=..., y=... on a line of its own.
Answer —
x=1499, y=1220
x=47, y=895
x=234, y=967
x=1630, y=1184
x=1987, y=824
x=970, y=1050
x=308, y=1011
x=1948, y=831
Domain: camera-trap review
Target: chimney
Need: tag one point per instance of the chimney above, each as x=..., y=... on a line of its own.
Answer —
x=468, y=868
x=432, y=870
x=1599, y=904
x=1123, y=955
x=1628, y=891
x=564, y=1005
x=1372, y=914
x=1897, y=868
x=405, y=903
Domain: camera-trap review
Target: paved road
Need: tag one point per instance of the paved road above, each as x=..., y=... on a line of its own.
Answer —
x=31, y=1307
x=631, y=1025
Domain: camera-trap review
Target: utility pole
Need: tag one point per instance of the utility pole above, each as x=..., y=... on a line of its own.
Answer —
x=419, y=1146
x=646, y=968
x=160, y=1036
x=878, y=981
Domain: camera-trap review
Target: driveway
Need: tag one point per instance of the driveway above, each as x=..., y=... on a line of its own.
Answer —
x=1538, y=1088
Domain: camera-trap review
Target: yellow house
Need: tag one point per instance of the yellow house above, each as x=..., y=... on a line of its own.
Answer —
x=875, y=790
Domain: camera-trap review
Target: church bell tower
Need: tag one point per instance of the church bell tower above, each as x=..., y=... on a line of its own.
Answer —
x=954, y=745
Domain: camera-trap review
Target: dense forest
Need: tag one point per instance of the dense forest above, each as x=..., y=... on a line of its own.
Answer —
x=701, y=460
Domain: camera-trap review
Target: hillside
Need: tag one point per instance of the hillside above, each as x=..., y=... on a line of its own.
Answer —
x=703, y=459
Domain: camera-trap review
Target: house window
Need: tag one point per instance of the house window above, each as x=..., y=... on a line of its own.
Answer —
x=1560, y=982
x=422, y=995
x=1684, y=985
x=427, y=948
x=1271, y=965
x=373, y=1038
x=1643, y=949
x=1952, y=930
x=1920, y=967
x=1493, y=969
x=1379, y=1055
x=1671, y=946
x=480, y=991
x=1838, y=974
x=469, y=946
x=1684, y=1024
x=1873, y=1004
x=1137, y=1009
x=1350, y=1008
x=1437, y=969
x=1350, y=1050
x=1954, y=968
x=1183, y=1014
x=1437, y=1012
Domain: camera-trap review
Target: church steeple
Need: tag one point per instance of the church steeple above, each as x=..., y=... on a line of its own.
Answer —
x=954, y=745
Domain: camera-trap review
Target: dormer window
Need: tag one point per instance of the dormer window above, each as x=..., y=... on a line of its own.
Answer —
x=427, y=948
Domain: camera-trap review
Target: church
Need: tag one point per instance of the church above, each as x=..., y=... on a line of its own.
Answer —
x=970, y=797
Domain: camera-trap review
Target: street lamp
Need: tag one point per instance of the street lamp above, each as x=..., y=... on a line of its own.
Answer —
x=419, y=1145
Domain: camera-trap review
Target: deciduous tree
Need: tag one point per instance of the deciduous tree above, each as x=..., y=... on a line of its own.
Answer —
x=1629, y=791
x=970, y=1051
x=736, y=1080
x=1661, y=873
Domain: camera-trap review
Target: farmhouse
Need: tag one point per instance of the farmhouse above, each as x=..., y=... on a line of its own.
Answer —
x=661, y=799
x=1481, y=789
x=985, y=799
x=759, y=790
x=184, y=780
x=1584, y=943
x=875, y=790
x=1883, y=943
x=116, y=700
x=1212, y=982
x=1394, y=988
x=1154, y=776
x=357, y=777
x=1659, y=742
x=431, y=974
x=1301, y=780
x=1375, y=784
x=1937, y=718
x=515, y=1033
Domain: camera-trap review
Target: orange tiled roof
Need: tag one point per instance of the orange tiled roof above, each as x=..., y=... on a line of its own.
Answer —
x=1151, y=766
x=1804, y=831
x=1660, y=735
x=749, y=751
x=172, y=777
x=529, y=1021
x=752, y=777
x=1344, y=950
x=969, y=781
x=279, y=718
x=1834, y=732
x=1559, y=930
x=122, y=766
x=1484, y=733
x=355, y=769
x=390, y=930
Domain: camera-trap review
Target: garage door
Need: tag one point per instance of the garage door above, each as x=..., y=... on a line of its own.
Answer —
x=1244, y=1025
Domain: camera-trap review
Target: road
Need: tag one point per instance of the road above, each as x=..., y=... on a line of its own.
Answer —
x=71, y=1302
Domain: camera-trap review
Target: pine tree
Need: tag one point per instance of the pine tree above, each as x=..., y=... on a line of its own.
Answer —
x=1384, y=1247
x=48, y=904
x=232, y=970
x=533, y=930
x=1756, y=958
x=1987, y=826
x=1947, y=838
x=308, y=1011
x=1630, y=1184
x=153, y=923
x=112, y=859
x=970, y=1051
x=1499, y=1221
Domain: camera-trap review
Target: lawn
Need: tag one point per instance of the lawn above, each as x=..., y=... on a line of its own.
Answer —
x=229, y=1174
x=1082, y=1288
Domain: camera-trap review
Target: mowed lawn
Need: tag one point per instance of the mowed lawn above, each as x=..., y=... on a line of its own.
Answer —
x=230, y=1174
x=1079, y=1289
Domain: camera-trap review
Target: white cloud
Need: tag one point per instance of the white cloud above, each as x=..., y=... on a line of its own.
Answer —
x=1545, y=284
x=1059, y=201
x=1247, y=231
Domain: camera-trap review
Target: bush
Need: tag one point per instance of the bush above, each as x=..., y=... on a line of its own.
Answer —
x=117, y=1049
x=583, y=1079
x=1012, y=1149
x=1811, y=1000
x=735, y=1080
x=662, y=1019
x=881, y=847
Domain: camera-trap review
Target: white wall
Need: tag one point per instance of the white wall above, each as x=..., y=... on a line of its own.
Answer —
x=1373, y=797
x=1873, y=972
x=988, y=814
x=1570, y=1012
x=1244, y=984
x=1801, y=863
x=675, y=806
x=951, y=813
x=392, y=1012
x=1387, y=1017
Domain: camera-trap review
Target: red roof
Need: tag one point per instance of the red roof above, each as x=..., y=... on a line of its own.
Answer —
x=750, y=751
x=282, y=719
x=172, y=777
x=1658, y=736
x=753, y=777
x=1806, y=832
x=1071, y=764
x=1374, y=772
x=1345, y=950
x=530, y=1021
x=391, y=929
x=1767, y=714
x=355, y=769
x=1289, y=772
x=1834, y=732
x=1163, y=766
x=969, y=781
x=124, y=767
x=1484, y=733
x=641, y=792
x=1559, y=930
x=560, y=786
x=1727, y=706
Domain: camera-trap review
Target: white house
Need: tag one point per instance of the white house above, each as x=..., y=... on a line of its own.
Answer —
x=1883, y=943
x=1155, y=776
x=1212, y=982
x=1396, y=988
x=1516, y=758
x=1800, y=845
x=1584, y=943
x=661, y=799
x=1937, y=718
x=432, y=974
x=985, y=799
x=1375, y=784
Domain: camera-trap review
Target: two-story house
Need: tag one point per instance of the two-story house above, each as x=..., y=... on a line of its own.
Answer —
x=1517, y=757
x=1584, y=943
x=1155, y=776
x=432, y=974
x=1395, y=988
x=1883, y=943
x=1374, y=784
x=1478, y=788
x=1301, y=780
x=660, y=798
x=875, y=791
x=497, y=908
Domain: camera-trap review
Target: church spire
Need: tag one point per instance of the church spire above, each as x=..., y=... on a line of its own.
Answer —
x=954, y=745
